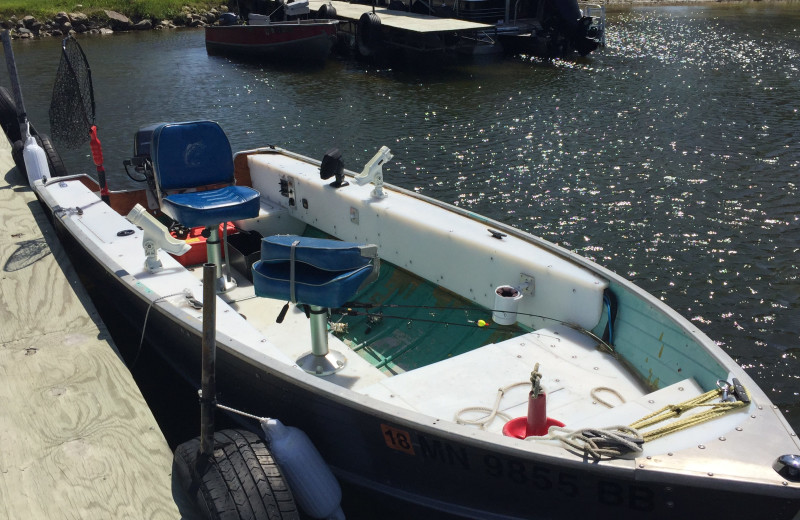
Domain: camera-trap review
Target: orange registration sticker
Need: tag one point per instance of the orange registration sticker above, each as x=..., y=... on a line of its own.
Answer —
x=399, y=440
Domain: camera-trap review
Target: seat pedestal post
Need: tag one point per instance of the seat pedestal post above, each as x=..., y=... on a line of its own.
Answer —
x=321, y=361
x=214, y=255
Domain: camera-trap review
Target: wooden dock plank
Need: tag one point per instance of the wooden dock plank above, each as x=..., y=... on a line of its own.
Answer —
x=414, y=22
x=78, y=440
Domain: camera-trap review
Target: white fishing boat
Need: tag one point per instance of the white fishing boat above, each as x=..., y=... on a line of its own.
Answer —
x=428, y=352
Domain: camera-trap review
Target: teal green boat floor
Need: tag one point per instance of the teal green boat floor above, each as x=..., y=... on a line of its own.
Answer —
x=409, y=322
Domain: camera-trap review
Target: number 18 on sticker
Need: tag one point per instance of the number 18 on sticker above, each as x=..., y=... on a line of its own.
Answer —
x=397, y=439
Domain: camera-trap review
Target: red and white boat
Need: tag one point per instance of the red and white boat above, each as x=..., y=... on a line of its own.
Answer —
x=309, y=40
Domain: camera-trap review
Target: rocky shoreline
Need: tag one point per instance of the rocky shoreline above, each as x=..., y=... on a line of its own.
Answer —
x=106, y=22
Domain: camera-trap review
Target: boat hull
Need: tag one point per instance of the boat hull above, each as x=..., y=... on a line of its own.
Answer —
x=388, y=452
x=308, y=41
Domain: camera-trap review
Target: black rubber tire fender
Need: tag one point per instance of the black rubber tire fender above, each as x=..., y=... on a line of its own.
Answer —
x=16, y=153
x=419, y=8
x=327, y=12
x=397, y=5
x=242, y=481
x=369, y=33
x=8, y=116
x=57, y=167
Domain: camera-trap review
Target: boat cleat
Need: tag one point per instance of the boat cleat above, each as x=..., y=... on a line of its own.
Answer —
x=788, y=466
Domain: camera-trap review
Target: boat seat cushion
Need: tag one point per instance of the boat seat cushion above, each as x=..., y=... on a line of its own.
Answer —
x=209, y=208
x=321, y=272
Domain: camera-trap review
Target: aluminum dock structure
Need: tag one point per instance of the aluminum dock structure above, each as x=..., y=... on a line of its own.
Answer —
x=77, y=439
x=373, y=30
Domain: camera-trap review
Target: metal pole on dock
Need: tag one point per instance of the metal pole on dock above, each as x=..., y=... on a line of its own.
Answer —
x=208, y=397
x=33, y=155
x=22, y=116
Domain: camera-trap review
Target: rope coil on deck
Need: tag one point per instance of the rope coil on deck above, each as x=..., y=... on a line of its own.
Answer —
x=618, y=441
x=611, y=391
x=493, y=411
x=611, y=442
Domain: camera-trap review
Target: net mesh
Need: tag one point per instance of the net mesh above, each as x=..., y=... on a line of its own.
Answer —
x=72, y=103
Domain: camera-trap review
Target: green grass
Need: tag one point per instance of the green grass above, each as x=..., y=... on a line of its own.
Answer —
x=137, y=9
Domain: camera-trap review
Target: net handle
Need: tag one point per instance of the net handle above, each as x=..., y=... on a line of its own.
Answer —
x=97, y=156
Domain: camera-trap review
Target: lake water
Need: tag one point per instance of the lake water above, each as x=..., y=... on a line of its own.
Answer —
x=671, y=156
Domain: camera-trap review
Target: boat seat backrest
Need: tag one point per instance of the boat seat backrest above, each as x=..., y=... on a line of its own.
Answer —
x=194, y=174
x=191, y=155
x=321, y=272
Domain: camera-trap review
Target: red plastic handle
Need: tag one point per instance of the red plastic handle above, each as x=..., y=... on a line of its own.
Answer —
x=97, y=149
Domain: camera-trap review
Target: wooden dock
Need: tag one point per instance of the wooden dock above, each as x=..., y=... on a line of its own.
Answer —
x=77, y=439
x=413, y=22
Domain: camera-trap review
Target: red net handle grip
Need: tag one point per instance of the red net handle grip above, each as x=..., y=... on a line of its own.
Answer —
x=97, y=149
x=97, y=155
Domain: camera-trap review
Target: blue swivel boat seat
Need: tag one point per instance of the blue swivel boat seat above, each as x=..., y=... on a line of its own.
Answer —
x=193, y=169
x=320, y=273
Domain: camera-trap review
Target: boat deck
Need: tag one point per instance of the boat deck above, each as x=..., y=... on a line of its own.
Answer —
x=570, y=362
x=575, y=370
x=413, y=22
x=293, y=335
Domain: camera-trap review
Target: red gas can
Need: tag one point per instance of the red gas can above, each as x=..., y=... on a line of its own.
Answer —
x=197, y=254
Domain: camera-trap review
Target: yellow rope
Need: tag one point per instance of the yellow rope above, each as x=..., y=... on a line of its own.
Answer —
x=675, y=410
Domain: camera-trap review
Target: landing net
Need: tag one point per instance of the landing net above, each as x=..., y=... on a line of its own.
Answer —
x=72, y=104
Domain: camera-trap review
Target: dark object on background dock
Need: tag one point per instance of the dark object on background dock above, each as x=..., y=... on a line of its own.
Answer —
x=228, y=19
x=369, y=35
x=327, y=11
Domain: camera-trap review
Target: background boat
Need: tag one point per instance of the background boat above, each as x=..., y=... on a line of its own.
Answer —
x=299, y=40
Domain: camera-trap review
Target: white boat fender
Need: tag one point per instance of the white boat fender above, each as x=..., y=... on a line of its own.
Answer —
x=313, y=485
x=35, y=159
